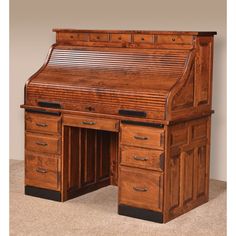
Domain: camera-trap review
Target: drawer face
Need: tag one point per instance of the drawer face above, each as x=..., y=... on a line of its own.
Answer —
x=42, y=123
x=143, y=38
x=91, y=122
x=42, y=171
x=143, y=158
x=174, y=39
x=73, y=36
x=141, y=188
x=42, y=143
x=121, y=38
x=142, y=136
x=99, y=37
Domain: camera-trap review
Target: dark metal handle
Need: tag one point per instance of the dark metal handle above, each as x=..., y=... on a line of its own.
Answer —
x=41, y=170
x=141, y=137
x=138, y=189
x=88, y=123
x=41, y=144
x=140, y=158
x=41, y=124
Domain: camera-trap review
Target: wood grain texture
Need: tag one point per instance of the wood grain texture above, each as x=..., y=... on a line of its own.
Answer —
x=140, y=188
x=143, y=158
x=141, y=136
x=42, y=123
x=42, y=171
x=157, y=150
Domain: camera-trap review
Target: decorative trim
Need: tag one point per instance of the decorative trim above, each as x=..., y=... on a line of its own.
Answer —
x=43, y=112
x=130, y=122
x=140, y=213
x=132, y=113
x=49, y=104
x=43, y=193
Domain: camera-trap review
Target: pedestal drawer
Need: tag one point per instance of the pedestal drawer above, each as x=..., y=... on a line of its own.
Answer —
x=142, y=136
x=143, y=158
x=42, y=143
x=42, y=171
x=42, y=123
x=141, y=188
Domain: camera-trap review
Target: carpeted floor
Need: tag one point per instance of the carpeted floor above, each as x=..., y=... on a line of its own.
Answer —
x=96, y=214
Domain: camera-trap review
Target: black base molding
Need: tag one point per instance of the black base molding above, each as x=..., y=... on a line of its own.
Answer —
x=140, y=213
x=43, y=193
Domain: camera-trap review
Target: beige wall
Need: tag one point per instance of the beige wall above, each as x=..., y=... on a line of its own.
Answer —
x=30, y=37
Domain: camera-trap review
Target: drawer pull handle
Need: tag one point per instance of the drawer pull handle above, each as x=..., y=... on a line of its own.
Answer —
x=141, y=137
x=41, y=124
x=140, y=189
x=88, y=123
x=140, y=158
x=41, y=170
x=41, y=144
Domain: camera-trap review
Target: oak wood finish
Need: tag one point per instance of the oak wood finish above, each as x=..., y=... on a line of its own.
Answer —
x=128, y=108
x=42, y=123
x=143, y=158
x=142, y=136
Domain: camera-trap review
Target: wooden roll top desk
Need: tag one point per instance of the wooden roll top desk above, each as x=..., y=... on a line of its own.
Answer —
x=126, y=108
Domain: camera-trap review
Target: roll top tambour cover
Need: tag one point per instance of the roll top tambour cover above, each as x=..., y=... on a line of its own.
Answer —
x=109, y=80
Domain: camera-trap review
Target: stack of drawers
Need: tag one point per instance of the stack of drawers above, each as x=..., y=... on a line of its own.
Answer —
x=141, y=167
x=42, y=151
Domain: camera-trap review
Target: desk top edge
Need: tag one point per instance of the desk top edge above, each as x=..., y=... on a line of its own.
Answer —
x=197, y=33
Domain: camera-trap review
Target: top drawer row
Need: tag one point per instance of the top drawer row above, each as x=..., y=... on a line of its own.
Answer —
x=128, y=38
x=48, y=124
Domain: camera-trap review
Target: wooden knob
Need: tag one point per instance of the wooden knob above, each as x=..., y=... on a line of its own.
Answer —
x=119, y=38
x=98, y=37
x=173, y=39
x=142, y=39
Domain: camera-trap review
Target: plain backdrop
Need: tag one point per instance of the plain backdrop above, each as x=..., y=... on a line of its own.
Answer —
x=31, y=24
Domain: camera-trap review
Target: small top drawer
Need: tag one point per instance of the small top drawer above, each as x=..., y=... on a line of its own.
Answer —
x=174, y=39
x=143, y=38
x=99, y=37
x=142, y=157
x=91, y=122
x=142, y=136
x=42, y=123
x=121, y=38
x=65, y=37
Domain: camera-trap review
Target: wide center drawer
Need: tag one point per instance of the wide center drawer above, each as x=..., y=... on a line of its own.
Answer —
x=141, y=188
x=42, y=123
x=41, y=171
x=42, y=143
x=142, y=136
x=143, y=158
x=91, y=122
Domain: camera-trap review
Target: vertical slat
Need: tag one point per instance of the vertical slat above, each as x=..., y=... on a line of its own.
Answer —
x=85, y=156
x=69, y=158
x=95, y=155
x=80, y=158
